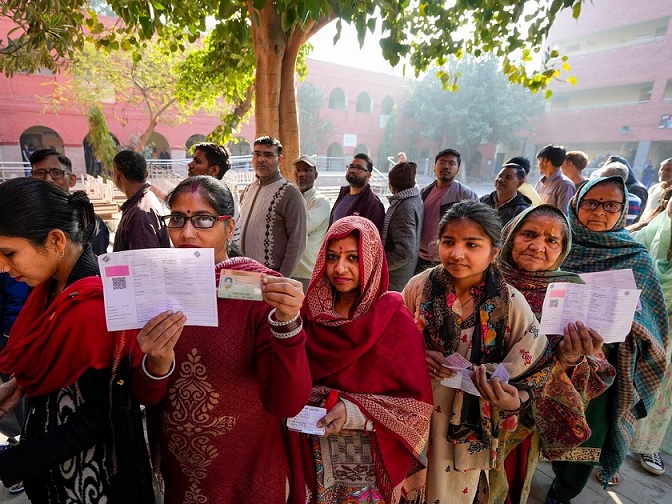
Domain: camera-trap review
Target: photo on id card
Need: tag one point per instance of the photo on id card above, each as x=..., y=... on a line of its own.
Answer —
x=236, y=284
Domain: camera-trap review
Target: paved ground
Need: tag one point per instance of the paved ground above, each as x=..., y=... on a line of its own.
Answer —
x=638, y=487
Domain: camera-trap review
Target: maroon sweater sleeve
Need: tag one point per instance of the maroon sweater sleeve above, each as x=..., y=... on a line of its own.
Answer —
x=284, y=375
x=147, y=391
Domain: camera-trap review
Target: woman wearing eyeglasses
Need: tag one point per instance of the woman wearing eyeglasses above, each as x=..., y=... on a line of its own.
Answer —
x=597, y=216
x=222, y=390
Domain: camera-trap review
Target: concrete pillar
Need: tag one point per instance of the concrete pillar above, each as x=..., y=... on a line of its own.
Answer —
x=641, y=157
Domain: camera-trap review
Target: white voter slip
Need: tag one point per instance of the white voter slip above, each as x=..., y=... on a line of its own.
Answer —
x=306, y=420
x=140, y=284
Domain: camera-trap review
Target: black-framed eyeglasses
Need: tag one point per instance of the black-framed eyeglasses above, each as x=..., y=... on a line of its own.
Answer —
x=54, y=173
x=357, y=168
x=265, y=155
x=177, y=221
x=609, y=206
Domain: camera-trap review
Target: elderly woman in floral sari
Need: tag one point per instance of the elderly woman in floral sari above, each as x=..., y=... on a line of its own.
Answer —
x=536, y=242
x=600, y=243
x=366, y=358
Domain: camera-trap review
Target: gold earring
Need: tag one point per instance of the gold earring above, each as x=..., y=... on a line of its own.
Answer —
x=60, y=254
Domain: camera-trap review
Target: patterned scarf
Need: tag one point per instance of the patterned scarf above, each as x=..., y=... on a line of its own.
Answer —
x=394, y=200
x=641, y=360
x=558, y=412
x=319, y=301
x=443, y=327
x=367, y=370
x=533, y=284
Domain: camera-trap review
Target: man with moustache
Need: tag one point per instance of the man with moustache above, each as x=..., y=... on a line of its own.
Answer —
x=317, y=216
x=506, y=198
x=437, y=198
x=272, y=212
x=357, y=198
x=51, y=166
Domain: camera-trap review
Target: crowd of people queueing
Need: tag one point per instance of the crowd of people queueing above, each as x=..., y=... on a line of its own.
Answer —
x=216, y=397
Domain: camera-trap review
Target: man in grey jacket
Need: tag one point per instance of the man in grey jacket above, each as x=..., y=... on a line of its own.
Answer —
x=402, y=226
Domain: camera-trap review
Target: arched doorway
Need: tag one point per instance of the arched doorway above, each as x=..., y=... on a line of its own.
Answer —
x=239, y=147
x=40, y=137
x=191, y=141
x=335, y=159
x=155, y=146
x=362, y=149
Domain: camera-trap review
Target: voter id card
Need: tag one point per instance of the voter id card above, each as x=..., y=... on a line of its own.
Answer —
x=236, y=284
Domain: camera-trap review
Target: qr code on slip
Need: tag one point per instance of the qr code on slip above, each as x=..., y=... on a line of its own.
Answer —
x=553, y=303
x=118, y=283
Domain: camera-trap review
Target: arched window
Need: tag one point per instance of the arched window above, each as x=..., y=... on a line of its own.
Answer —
x=239, y=147
x=337, y=99
x=387, y=105
x=364, y=103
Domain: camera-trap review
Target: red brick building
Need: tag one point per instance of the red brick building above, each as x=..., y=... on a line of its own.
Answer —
x=621, y=54
x=357, y=103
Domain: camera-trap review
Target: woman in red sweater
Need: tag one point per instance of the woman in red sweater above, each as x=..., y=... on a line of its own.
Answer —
x=222, y=390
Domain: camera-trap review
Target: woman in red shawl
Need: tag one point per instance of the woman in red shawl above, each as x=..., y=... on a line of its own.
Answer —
x=79, y=442
x=363, y=347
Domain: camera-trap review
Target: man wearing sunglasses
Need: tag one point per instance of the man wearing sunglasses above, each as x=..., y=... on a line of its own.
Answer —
x=51, y=166
x=357, y=198
x=140, y=226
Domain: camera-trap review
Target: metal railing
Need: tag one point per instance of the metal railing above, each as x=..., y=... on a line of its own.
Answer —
x=10, y=170
x=172, y=171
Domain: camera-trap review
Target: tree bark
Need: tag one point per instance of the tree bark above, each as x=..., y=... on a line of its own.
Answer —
x=276, y=52
x=269, y=49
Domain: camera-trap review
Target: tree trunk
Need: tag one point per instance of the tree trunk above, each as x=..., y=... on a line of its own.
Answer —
x=269, y=49
x=276, y=52
x=289, y=115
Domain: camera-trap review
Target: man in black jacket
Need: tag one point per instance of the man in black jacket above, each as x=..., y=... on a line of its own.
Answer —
x=357, y=198
x=505, y=198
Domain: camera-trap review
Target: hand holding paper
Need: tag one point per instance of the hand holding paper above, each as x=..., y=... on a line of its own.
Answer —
x=610, y=311
x=496, y=392
x=464, y=374
x=157, y=339
x=307, y=419
x=139, y=284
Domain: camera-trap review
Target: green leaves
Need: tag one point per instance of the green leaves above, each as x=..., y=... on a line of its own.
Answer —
x=576, y=10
